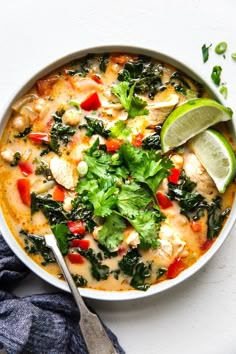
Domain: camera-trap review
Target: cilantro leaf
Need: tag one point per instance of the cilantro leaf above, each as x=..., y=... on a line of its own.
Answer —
x=111, y=234
x=134, y=105
x=146, y=167
x=61, y=231
x=119, y=130
x=97, y=161
x=103, y=198
x=132, y=198
x=137, y=107
x=147, y=224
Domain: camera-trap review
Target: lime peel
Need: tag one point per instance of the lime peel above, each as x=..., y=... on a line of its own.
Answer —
x=190, y=119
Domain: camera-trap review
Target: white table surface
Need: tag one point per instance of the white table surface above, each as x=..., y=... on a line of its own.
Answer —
x=198, y=316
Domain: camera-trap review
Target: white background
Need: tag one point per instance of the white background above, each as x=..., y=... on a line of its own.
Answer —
x=198, y=316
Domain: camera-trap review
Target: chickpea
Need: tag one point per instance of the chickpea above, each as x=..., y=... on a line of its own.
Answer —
x=177, y=160
x=7, y=155
x=67, y=206
x=72, y=117
x=20, y=123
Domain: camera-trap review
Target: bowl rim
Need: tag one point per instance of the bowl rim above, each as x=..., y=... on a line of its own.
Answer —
x=102, y=294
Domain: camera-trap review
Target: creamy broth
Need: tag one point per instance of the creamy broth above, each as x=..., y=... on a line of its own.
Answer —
x=64, y=169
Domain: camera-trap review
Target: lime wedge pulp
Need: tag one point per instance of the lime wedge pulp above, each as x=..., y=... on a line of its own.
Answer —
x=190, y=119
x=216, y=155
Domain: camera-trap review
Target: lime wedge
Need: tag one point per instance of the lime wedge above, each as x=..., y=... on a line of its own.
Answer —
x=190, y=119
x=216, y=155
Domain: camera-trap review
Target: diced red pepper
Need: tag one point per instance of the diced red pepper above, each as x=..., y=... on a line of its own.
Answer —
x=26, y=168
x=175, y=268
x=39, y=138
x=23, y=186
x=75, y=258
x=137, y=140
x=58, y=194
x=206, y=245
x=196, y=225
x=91, y=103
x=83, y=244
x=76, y=227
x=163, y=200
x=96, y=79
x=113, y=145
x=174, y=176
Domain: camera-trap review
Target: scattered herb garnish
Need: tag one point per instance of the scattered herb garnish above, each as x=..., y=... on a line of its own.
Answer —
x=205, y=52
x=221, y=48
x=216, y=74
x=95, y=126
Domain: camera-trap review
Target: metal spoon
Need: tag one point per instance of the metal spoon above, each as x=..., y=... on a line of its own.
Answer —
x=95, y=336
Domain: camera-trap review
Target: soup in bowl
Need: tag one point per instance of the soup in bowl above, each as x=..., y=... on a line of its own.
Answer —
x=89, y=153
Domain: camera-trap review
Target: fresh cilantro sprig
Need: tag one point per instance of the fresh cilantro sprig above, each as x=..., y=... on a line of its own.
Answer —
x=146, y=167
x=133, y=104
x=120, y=130
x=123, y=190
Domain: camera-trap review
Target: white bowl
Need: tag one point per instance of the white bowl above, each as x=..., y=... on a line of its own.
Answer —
x=100, y=294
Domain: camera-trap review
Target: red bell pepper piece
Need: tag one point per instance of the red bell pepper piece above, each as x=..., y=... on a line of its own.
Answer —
x=39, y=138
x=96, y=79
x=58, y=194
x=23, y=186
x=207, y=244
x=196, y=225
x=137, y=140
x=76, y=227
x=75, y=258
x=91, y=103
x=83, y=244
x=26, y=168
x=163, y=200
x=174, y=176
x=113, y=145
x=175, y=268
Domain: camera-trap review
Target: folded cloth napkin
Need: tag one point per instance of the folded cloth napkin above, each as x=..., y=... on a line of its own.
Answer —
x=37, y=324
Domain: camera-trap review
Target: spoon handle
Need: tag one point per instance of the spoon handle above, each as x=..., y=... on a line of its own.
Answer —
x=95, y=336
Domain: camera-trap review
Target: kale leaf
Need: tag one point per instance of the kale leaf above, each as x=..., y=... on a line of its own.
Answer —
x=99, y=271
x=16, y=159
x=95, y=126
x=142, y=272
x=104, y=60
x=144, y=74
x=36, y=245
x=53, y=210
x=61, y=232
x=129, y=261
x=60, y=132
x=152, y=142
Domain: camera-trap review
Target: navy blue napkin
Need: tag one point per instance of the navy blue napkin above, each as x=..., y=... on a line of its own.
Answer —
x=37, y=324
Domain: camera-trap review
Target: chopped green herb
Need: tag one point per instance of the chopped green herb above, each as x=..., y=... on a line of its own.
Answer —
x=79, y=280
x=216, y=74
x=129, y=262
x=224, y=91
x=221, y=48
x=95, y=126
x=134, y=105
x=120, y=130
x=99, y=271
x=205, y=52
x=104, y=59
x=24, y=133
x=16, y=159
